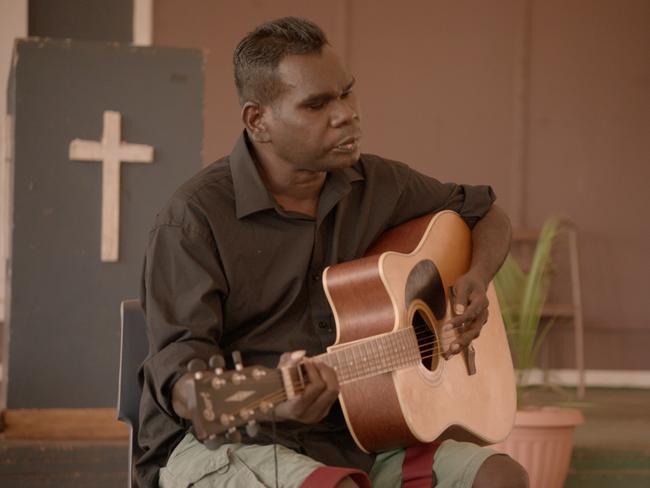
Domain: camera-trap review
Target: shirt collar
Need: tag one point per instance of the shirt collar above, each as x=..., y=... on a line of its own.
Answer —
x=250, y=193
x=252, y=196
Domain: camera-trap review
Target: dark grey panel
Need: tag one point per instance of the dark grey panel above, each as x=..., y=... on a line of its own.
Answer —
x=64, y=316
x=93, y=20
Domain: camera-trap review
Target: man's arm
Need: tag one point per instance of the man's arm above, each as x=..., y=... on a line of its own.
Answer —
x=183, y=290
x=490, y=244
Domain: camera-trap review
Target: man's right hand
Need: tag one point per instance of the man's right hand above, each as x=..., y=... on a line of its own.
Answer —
x=319, y=395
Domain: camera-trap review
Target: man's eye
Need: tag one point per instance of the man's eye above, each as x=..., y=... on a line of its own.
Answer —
x=346, y=94
x=316, y=105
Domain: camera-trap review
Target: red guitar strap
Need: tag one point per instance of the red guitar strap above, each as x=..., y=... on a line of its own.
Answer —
x=417, y=467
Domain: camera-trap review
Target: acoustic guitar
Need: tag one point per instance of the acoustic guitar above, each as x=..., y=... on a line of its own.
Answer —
x=392, y=311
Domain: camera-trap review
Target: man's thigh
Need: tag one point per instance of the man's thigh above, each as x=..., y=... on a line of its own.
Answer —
x=455, y=464
x=233, y=466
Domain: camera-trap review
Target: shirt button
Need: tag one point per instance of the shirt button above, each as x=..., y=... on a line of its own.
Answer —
x=323, y=325
x=315, y=277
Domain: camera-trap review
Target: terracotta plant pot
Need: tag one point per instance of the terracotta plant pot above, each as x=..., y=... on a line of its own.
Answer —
x=542, y=441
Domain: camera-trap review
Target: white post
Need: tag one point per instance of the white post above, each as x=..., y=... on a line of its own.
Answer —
x=142, y=22
x=112, y=153
x=13, y=25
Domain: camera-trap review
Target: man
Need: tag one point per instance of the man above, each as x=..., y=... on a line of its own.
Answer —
x=234, y=262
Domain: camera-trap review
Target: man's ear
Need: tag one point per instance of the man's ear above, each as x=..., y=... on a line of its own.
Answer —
x=254, y=118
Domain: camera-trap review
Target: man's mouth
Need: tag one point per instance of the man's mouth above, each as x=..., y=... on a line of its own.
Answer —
x=347, y=145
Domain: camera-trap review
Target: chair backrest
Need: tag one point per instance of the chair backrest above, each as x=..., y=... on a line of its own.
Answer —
x=133, y=351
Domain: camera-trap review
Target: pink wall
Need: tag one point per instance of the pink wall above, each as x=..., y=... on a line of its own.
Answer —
x=590, y=159
x=548, y=101
x=217, y=26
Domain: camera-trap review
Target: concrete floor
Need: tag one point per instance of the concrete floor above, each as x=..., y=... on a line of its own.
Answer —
x=617, y=418
x=612, y=448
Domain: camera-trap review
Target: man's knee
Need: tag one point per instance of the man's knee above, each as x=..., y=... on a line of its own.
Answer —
x=501, y=472
x=347, y=483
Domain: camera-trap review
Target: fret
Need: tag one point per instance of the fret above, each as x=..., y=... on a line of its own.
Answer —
x=406, y=347
x=409, y=345
x=412, y=345
x=334, y=363
x=358, y=360
x=379, y=351
x=367, y=358
x=397, y=355
x=355, y=359
x=368, y=366
x=369, y=354
x=372, y=357
x=400, y=349
x=416, y=347
x=388, y=353
x=377, y=362
x=348, y=362
x=361, y=364
x=341, y=364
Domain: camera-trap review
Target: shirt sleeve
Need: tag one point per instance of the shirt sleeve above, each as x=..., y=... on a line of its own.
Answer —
x=421, y=194
x=184, y=286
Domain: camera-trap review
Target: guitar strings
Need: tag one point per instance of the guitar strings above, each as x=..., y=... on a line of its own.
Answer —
x=298, y=386
x=424, y=349
x=422, y=331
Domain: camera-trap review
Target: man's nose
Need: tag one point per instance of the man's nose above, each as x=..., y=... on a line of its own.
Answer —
x=344, y=112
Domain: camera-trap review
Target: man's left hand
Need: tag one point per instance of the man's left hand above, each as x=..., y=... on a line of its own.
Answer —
x=470, y=313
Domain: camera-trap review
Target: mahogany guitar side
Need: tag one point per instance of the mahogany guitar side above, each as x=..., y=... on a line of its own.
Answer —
x=404, y=280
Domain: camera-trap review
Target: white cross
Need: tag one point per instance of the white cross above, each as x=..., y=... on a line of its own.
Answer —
x=112, y=153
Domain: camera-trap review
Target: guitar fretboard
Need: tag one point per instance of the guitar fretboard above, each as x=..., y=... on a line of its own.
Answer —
x=374, y=356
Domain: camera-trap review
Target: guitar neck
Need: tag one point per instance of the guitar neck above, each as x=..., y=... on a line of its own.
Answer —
x=368, y=357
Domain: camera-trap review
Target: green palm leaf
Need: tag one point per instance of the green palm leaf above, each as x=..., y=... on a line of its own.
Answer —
x=522, y=296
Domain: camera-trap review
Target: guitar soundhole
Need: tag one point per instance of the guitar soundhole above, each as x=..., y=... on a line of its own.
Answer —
x=424, y=282
x=427, y=339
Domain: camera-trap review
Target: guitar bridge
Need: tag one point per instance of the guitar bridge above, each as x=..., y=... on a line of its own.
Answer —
x=470, y=359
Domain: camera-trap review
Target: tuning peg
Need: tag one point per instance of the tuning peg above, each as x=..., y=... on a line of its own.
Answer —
x=196, y=366
x=236, y=358
x=217, y=363
x=266, y=407
x=226, y=419
x=213, y=442
x=252, y=428
x=233, y=435
x=217, y=382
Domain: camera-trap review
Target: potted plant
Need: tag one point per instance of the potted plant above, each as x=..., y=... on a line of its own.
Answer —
x=542, y=438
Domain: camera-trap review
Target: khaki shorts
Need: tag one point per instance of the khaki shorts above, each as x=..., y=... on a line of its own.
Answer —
x=253, y=466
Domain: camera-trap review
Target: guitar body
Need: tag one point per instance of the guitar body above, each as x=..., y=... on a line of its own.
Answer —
x=404, y=281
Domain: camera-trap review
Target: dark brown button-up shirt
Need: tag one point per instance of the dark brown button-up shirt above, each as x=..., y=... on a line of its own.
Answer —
x=228, y=269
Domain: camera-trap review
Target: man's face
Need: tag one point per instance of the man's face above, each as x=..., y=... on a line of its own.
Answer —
x=314, y=124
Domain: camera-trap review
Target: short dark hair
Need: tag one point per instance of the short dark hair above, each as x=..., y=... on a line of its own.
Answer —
x=257, y=56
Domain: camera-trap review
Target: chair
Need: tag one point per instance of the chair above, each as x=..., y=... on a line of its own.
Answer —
x=133, y=351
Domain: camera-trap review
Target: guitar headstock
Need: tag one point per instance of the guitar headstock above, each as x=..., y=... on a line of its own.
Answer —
x=224, y=401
